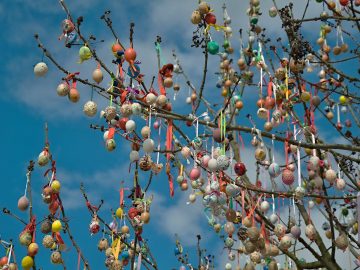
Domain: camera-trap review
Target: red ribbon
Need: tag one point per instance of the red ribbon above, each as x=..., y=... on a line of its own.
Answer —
x=161, y=85
x=111, y=133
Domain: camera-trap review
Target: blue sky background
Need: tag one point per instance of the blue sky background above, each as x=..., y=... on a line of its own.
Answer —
x=28, y=102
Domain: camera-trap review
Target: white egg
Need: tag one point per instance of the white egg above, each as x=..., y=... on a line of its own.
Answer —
x=40, y=69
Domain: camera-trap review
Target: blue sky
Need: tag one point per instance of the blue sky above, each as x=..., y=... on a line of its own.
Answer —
x=28, y=102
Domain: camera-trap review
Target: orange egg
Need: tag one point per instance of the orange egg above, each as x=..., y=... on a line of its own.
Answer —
x=130, y=54
x=74, y=95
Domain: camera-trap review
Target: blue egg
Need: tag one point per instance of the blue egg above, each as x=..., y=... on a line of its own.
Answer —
x=274, y=170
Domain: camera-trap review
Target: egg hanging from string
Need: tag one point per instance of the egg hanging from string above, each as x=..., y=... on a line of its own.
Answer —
x=90, y=108
x=40, y=69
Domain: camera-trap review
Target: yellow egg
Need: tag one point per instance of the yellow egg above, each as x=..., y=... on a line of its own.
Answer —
x=119, y=212
x=343, y=100
x=55, y=186
x=56, y=226
x=27, y=262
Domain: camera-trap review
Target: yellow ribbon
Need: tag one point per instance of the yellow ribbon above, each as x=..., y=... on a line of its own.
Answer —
x=216, y=27
x=116, y=250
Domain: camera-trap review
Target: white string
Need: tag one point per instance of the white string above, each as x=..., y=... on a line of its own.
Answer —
x=273, y=148
x=338, y=113
x=273, y=203
x=150, y=120
x=313, y=141
x=9, y=257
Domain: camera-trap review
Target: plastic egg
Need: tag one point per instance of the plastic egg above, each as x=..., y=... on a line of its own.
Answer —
x=27, y=262
x=148, y=145
x=40, y=69
x=205, y=160
x=56, y=226
x=130, y=125
x=63, y=89
x=23, y=203
x=90, y=108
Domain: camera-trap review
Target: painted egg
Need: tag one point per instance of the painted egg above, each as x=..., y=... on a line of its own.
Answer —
x=63, y=89
x=210, y=18
x=272, y=12
x=110, y=112
x=295, y=231
x=212, y=165
x=223, y=162
x=161, y=100
x=232, y=190
x=33, y=249
x=288, y=177
x=273, y=218
x=56, y=226
x=134, y=156
x=260, y=154
x=84, y=54
x=285, y=242
x=279, y=230
x=27, y=262
x=205, y=160
x=196, y=17
x=136, y=108
x=43, y=158
x=310, y=232
x=239, y=168
x=218, y=136
x=330, y=175
x=110, y=145
x=340, y=183
x=90, y=108
x=264, y=206
x=213, y=47
x=274, y=170
x=130, y=54
x=145, y=131
x=185, y=152
x=40, y=69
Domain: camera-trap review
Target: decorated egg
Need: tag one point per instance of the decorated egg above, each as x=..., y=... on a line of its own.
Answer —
x=239, y=168
x=185, y=152
x=330, y=175
x=43, y=158
x=195, y=173
x=56, y=257
x=223, y=162
x=56, y=226
x=273, y=218
x=110, y=112
x=136, y=108
x=130, y=55
x=110, y=145
x=232, y=190
x=205, y=160
x=90, y=108
x=134, y=156
x=25, y=238
x=84, y=53
x=340, y=183
x=150, y=98
x=212, y=165
x=40, y=69
x=145, y=131
x=55, y=186
x=288, y=177
x=272, y=12
x=63, y=89
x=295, y=231
x=342, y=241
x=192, y=198
x=285, y=242
x=196, y=17
x=264, y=206
x=310, y=232
x=218, y=136
x=260, y=154
x=274, y=170
x=33, y=249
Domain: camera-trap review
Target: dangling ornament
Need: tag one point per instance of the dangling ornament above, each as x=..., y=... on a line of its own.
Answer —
x=288, y=177
x=90, y=108
x=63, y=89
x=84, y=54
x=97, y=75
x=40, y=69
x=23, y=203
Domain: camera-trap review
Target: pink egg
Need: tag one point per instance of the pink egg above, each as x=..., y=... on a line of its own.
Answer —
x=195, y=173
x=205, y=160
x=288, y=177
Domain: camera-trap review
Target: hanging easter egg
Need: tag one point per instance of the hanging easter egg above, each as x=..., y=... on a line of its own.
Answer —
x=97, y=75
x=63, y=89
x=212, y=165
x=148, y=146
x=136, y=108
x=56, y=257
x=145, y=131
x=229, y=228
x=45, y=226
x=260, y=154
x=55, y=186
x=130, y=55
x=274, y=170
x=74, y=95
x=43, y=158
x=194, y=173
x=110, y=113
x=134, y=156
x=228, y=266
x=110, y=145
x=192, y=198
x=272, y=12
x=196, y=17
x=161, y=100
x=27, y=262
x=67, y=26
x=56, y=226
x=130, y=126
x=288, y=177
x=48, y=241
x=310, y=232
x=223, y=162
x=168, y=82
x=210, y=18
x=239, y=168
x=205, y=160
x=229, y=242
x=342, y=241
x=253, y=233
x=90, y=108
x=264, y=206
x=84, y=54
x=40, y=69
x=197, y=143
x=285, y=242
x=150, y=99
x=299, y=192
x=340, y=183
x=295, y=231
x=203, y=8
x=279, y=230
x=213, y=47
x=23, y=203
x=344, y=2
x=3, y=262
x=330, y=175
x=273, y=218
x=33, y=249
x=103, y=244
x=218, y=136
x=25, y=238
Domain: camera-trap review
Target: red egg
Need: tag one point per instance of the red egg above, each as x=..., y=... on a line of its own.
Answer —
x=344, y=2
x=116, y=47
x=130, y=54
x=3, y=261
x=240, y=168
x=288, y=177
x=122, y=123
x=269, y=103
x=210, y=18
